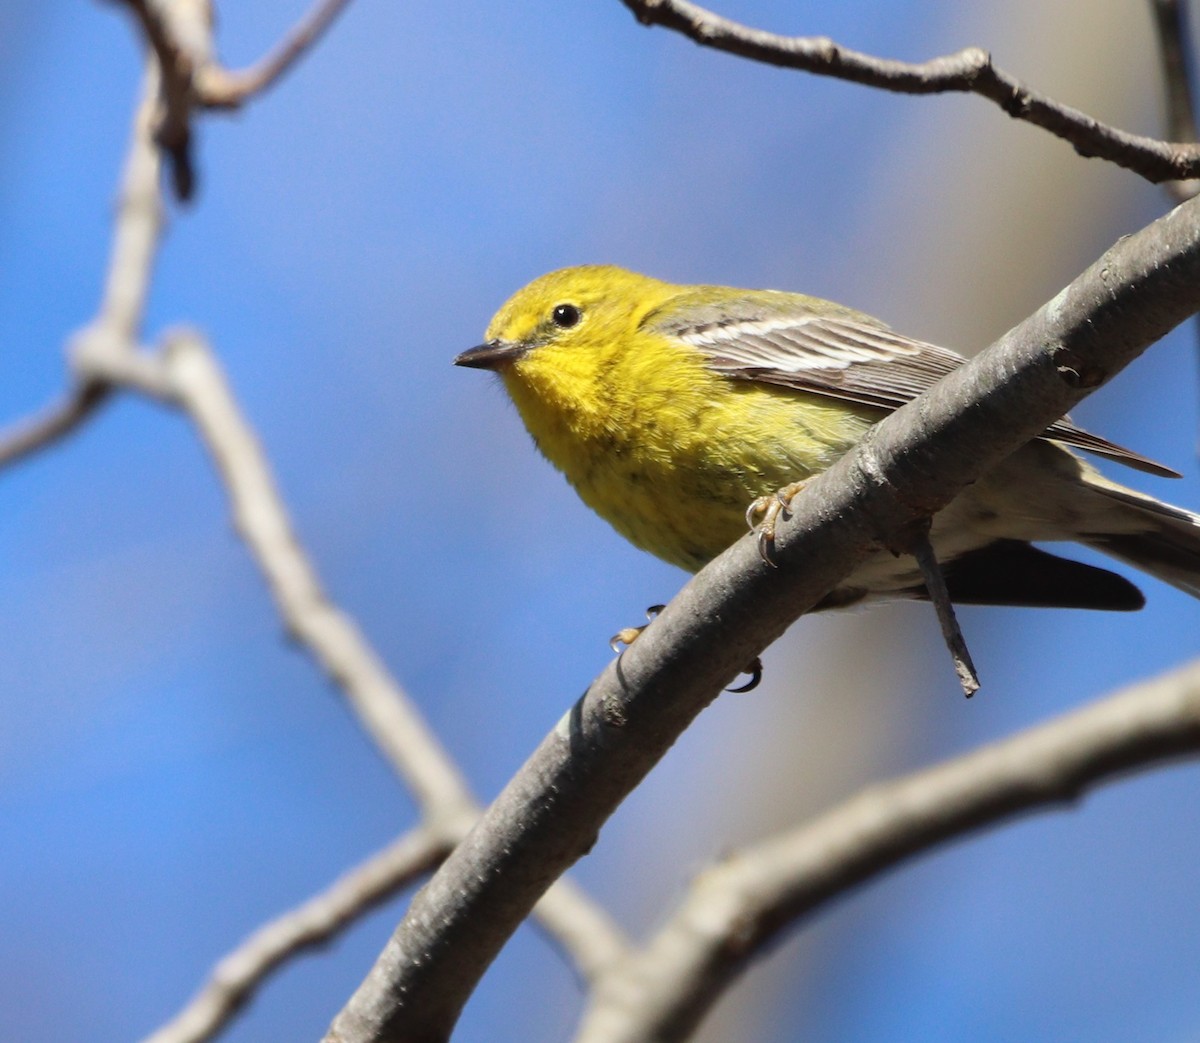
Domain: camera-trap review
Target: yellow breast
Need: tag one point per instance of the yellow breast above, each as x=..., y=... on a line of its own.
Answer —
x=668, y=452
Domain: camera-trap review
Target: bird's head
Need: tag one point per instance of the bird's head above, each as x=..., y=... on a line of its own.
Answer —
x=571, y=322
x=581, y=358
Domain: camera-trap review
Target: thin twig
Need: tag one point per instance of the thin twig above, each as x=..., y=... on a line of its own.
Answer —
x=137, y=233
x=236, y=978
x=180, y=35
x=968, y=71
x=40, y=431
x=737, y=909
x=935, y=583
x=332, y=637
x=219, y=88
x=1177, y=61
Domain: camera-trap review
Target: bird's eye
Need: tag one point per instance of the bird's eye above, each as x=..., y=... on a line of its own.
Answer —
x=566, y=315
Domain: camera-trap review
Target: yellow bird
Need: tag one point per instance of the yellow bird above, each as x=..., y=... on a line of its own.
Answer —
x=673, y=410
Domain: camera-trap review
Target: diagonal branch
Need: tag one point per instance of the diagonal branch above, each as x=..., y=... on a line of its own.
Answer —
x=221, y=88
x=106, y=358
x=587, y=935
x=57, y=421
x=735, y=910
x=967, y=71
x=238, y=976
x=907, y=467
x=199, y=388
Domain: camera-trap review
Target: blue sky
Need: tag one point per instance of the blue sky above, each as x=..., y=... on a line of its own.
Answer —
x=172, y=772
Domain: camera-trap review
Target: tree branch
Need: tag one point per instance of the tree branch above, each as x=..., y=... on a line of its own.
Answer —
x=137, y=232
x=239, y=974
x=734, y=910
x=106, y=358
x=910, y=465
x=221, y=88
x=967, y=71
x=59, y=420
x=199, y=388
x=179, y=33
x=1178, y=72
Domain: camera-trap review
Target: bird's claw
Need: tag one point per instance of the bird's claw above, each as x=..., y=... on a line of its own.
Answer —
x=625, y=637
x=628, y=635
x=755, y=669
x=763, y=516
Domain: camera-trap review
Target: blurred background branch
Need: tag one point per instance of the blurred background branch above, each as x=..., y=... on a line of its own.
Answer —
x=180, y=34
x=1177, y=64
x=236, y=977
x=184, y=374
x=733, y=911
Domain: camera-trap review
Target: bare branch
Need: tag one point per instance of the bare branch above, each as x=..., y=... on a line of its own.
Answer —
x=583, y=930
x=106, y=342
x=569, y=917
x=907, y=467
x=967, y=71
x=238, y=976
x=106, y=358
x=734, y=910
x=335, y=641
x=180, y=35
x=47, y=427
x=218, y=87
x=137, y=232
x=187, y=375
x=586, y=934
x=1178, y=69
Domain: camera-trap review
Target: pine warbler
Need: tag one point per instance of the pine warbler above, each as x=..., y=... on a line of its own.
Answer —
x=674, y=409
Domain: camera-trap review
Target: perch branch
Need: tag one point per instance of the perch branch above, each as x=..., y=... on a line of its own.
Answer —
x=903, y=470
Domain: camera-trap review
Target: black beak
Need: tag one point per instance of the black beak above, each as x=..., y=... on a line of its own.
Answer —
x=492, y=355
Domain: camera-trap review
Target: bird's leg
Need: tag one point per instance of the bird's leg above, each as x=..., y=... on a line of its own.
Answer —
x=763, y=516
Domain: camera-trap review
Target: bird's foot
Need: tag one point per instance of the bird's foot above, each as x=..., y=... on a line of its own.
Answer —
x=622, y=639
x=626, y=637
x=763, y=516
x=755, y=670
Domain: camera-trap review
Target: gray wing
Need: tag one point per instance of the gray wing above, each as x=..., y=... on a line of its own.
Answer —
x=848, y=357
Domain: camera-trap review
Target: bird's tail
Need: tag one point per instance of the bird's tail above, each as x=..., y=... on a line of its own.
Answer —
x=1155, y=537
